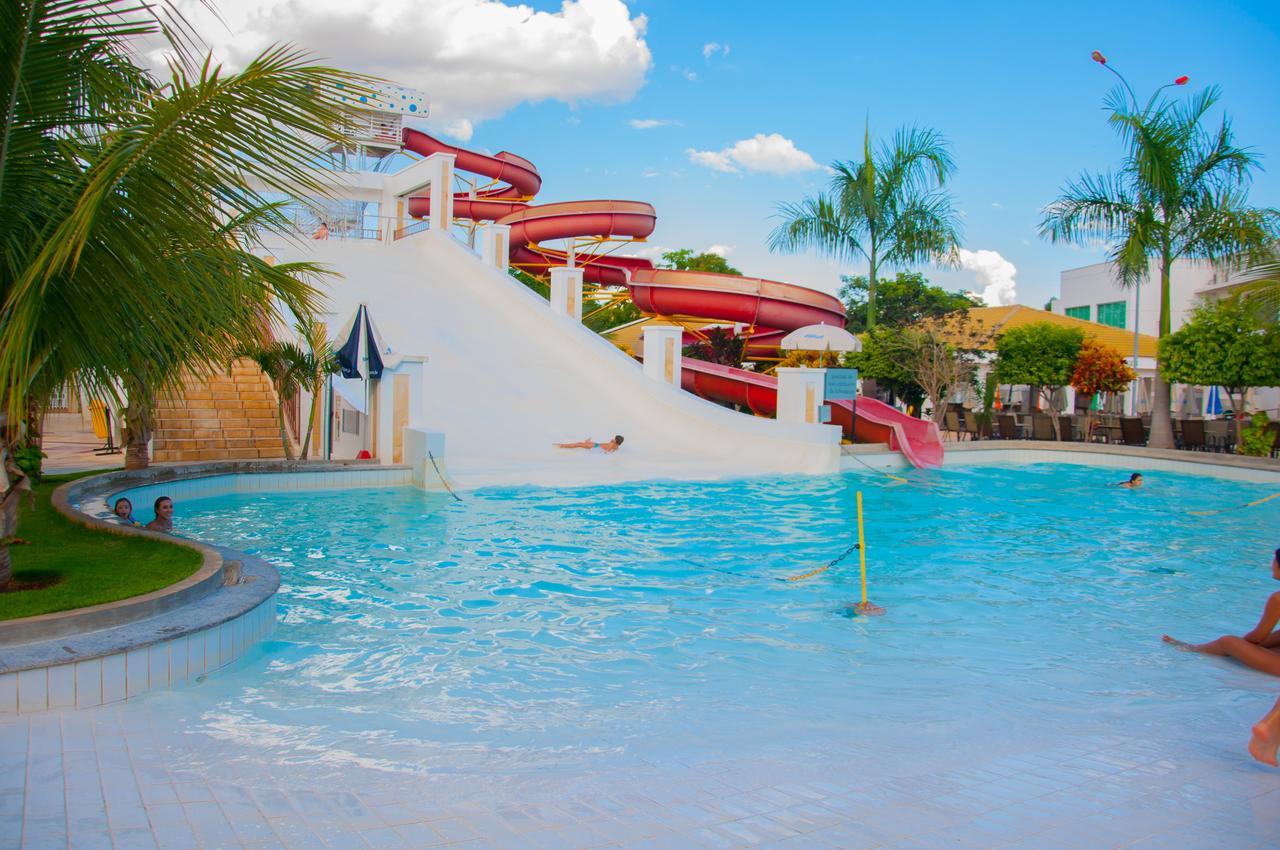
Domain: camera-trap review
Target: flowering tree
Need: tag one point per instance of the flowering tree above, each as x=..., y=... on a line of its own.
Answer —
x=1100, y=369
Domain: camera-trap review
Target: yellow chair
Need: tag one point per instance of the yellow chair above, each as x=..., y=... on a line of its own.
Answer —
x=101, y=417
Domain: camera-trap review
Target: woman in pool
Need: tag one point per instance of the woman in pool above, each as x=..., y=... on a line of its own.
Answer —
x=164, y=515
x=124, y=513
x=1134, y=482
x=611, y=446
x=1260, y=648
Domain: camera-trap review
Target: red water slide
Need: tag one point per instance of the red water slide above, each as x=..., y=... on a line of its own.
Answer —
x=770, y=307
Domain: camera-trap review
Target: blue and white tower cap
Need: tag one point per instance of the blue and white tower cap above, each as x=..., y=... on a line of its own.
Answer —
x=386, y=97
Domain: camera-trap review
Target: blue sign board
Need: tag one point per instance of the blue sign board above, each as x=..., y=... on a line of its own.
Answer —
x=842, y=384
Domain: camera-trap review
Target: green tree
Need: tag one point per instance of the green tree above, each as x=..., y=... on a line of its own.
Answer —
x=1223, y=344
x=129, y=199
x=889, y=208
x=880, y=359
x=1180, y=192
x=685, y=260
x=902, y=300
x=313, y=370
x=285, y=364
x=1040, y=355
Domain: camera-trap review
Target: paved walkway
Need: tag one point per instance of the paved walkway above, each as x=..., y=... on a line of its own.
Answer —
x=70, y=444
x=126, y=777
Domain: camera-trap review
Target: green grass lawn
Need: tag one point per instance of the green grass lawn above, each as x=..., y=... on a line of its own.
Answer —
x=90, y=567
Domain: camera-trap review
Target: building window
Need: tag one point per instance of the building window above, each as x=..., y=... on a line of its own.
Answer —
x=1112, y=314
x=1078, y=312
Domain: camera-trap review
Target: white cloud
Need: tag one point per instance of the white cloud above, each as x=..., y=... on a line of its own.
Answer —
x=995, y=275
x=719, y=250
x=711, y=48
x=688, y=74
x=650, y=172
x=650, y=123
x=772, y=154
x=475, y=59
x=996, y=205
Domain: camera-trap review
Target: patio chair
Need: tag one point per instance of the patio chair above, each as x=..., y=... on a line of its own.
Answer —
x=971, y=426
x=951, y=423
x=1042, y=427
x=1274, y=428
x=1217, y=434
x=1193, y=435
x=1008, y=426
x=100, y=416
x=1067, y=425
x=1132, y=431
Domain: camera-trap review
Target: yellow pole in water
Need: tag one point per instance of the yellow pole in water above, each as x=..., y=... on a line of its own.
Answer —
x=862, y=551
x=864, y=607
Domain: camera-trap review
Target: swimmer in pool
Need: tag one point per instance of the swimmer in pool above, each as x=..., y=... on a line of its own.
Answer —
x=164, y=516
x=1260, y=648
x=1134, y=482
x=611, y=446
x=124, y=513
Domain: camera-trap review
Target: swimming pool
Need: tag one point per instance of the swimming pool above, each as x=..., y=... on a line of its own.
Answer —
x=547, y=628
x=622, y=666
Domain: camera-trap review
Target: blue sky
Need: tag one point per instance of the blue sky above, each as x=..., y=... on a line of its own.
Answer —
x=1011, y=86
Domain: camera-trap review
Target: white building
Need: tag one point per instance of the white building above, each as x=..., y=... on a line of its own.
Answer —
x=1094, y=293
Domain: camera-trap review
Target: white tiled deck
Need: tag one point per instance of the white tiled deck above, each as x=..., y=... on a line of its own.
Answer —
x=117, y=777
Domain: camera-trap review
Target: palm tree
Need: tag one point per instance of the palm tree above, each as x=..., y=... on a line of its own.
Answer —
x=292, y=368
x=314, y=369
x=130, y=200
x=285, y=364
x=889, y=208
x=1180, y=193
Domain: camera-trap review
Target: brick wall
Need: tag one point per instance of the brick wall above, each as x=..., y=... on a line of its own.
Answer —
x=222, y=417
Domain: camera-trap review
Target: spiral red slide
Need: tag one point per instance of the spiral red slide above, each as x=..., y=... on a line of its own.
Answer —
x=772, y=308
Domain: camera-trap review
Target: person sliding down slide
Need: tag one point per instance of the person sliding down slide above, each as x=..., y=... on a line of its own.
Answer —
x=611, y=446
x=1260, y=648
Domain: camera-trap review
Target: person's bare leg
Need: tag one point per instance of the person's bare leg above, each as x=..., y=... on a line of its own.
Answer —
x=1213, y=647
x=584, y=444
x=1266, y=737
x=1230, y=646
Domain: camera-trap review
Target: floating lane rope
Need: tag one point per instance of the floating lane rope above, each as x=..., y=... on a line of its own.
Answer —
x=1252, y=504
x=440, y=475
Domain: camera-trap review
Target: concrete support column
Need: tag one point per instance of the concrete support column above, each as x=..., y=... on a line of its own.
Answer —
x=495, y=244
x=663, y=353
x=400, y=401
x=440, y=168
x=800, y=393
x=566, y=292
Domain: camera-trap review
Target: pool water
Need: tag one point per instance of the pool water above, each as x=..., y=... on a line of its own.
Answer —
x=531, y=629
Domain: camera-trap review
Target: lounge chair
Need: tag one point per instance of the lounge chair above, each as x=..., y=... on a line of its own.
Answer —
x=1008, y=427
